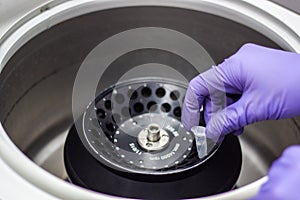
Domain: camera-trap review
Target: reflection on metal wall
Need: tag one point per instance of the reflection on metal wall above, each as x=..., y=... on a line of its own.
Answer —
x=290, y=4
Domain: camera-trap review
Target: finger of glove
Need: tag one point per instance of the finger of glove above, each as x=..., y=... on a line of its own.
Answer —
x=283, y=177
x=232, y=118
x=207, y=110
x=289, y=160
x=193, y=101
x=215, y=82
x=208, y=113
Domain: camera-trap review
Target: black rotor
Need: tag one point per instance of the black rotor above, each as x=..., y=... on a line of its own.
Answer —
x=109, y=148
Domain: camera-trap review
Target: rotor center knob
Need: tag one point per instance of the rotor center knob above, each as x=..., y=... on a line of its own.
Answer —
x=153, y=133
x=153, y=138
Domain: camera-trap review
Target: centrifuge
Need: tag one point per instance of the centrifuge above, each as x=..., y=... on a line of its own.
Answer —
x=92, y=91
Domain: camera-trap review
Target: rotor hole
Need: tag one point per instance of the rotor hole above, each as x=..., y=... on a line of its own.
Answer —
x=110, y=127
x=132, y=94
x=107, y=104
x=119, y=98
x=165, y=107
x=100, y=113
x=177, y=112
x=146, y=92
x=174, y=95
x=138, y=107
x=160, y=92
x=152, y=106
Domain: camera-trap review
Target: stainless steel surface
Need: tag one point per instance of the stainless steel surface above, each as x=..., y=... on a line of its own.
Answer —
x=153, y=138
x=15, y=13
x=153, y=133
x=47, y=71
x=37, y=82
x=293, y=5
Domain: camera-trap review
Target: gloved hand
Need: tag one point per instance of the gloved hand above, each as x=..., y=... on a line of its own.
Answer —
x=268, y=81
x=283, y=177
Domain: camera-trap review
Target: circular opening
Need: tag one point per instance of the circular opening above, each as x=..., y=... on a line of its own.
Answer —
x=119, y=98
x=138, y=107
x=108, y=104
x=174, y=95
x=177, y=112
x=165, y=107
x=152, y=106
x=160, y=92
x=146, y=92
x=110, y=127
x=100, y=113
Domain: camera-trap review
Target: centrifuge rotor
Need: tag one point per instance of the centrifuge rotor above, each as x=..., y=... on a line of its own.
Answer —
x=135, y=126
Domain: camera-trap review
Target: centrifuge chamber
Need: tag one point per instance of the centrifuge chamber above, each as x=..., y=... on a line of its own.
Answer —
x=41, y=59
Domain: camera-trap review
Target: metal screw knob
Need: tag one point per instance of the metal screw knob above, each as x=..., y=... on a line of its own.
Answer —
x=153, y=133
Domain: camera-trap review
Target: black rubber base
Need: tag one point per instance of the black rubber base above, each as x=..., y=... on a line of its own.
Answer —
x=218, y=174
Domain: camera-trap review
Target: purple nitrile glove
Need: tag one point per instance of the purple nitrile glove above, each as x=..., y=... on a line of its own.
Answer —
x=283, y=178
x=268, y=81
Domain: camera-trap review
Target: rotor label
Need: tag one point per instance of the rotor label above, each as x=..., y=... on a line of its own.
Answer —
x=168, y=155
x=135, y=149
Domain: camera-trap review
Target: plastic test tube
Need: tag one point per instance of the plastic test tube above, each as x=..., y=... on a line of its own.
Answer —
x=201, y=144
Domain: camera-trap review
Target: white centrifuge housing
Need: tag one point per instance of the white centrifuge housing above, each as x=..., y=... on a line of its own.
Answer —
x=43, y=44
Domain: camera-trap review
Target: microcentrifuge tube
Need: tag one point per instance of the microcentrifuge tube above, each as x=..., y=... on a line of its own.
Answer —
x=200, y=137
